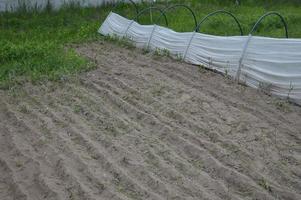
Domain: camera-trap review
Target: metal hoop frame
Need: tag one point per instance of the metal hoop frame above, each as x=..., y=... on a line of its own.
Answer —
x=198, y=25
x=152, y=8
x=268, y=14
x=183, y=6
x=218, y=12
x=123, y=1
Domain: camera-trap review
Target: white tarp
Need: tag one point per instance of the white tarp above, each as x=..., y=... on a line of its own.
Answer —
x=260, y=62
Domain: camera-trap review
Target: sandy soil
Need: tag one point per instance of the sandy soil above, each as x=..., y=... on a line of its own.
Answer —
x=147, y=127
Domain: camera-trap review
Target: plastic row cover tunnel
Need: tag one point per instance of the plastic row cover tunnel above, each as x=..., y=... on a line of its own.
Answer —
x=260, y=62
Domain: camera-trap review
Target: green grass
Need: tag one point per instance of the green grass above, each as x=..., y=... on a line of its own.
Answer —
x=36, y=45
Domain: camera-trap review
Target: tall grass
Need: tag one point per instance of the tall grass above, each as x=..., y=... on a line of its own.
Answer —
x=35, y=43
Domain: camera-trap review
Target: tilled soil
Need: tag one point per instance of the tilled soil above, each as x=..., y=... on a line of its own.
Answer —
x=147, y=127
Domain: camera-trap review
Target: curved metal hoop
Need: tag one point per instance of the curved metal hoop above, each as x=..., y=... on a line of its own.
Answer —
x=180, y=5
x=123, y=1
x=152, y=8
x=267, y=14
x=217, y=12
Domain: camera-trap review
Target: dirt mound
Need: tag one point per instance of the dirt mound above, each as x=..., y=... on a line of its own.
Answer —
x=147, y=127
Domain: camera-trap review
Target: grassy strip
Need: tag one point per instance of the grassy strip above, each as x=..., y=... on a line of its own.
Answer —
x=34, y=44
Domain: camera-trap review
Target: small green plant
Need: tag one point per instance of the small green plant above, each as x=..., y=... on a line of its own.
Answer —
x=282, y=105
x=179, y=57
x=202, y=69
x=77, y=109
x=198, y=164
x=19, y=163
x=157, y=52
x=226, y=72
x=162, y=52
x=24, y=109
x=145, y=51
x=158, y=90
x=264, y=184
x=166, y=52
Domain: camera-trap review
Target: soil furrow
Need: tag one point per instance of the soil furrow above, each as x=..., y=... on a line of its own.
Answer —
x=152, y=120
x=88, y=147
x=98, y=111
x=25, y=170
x=136, y=96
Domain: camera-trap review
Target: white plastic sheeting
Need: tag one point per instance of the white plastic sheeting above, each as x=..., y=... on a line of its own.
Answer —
x=260, y=62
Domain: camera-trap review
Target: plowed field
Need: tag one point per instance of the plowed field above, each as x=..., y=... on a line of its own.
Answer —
x=146, y=127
